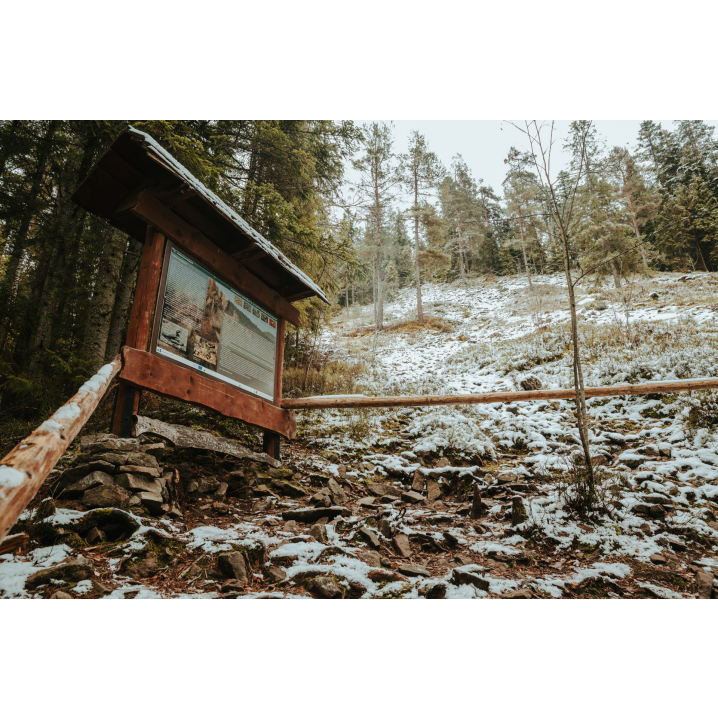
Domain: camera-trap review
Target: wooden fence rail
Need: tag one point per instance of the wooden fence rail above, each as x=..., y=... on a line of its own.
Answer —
x=24, y=469
x=376, y=402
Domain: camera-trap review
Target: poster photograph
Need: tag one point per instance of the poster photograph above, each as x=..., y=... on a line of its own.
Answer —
x=211, y=327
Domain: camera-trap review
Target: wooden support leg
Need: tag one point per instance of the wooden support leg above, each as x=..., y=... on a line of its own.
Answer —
x=270, y=444
x=124, y=409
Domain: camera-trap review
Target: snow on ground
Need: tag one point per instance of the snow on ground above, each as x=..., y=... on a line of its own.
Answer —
x=659, y=467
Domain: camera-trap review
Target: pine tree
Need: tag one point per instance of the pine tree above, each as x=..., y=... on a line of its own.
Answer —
x=421, y=171
x=377, y=182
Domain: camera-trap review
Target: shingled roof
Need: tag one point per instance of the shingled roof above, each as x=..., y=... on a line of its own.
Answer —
x=135, y=162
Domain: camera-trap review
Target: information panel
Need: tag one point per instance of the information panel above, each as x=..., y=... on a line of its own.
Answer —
x=205, y=324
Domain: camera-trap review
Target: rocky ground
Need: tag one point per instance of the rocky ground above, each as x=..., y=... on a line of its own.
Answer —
x=447, y=502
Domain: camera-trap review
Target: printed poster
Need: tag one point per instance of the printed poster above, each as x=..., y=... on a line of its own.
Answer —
x=211, y=327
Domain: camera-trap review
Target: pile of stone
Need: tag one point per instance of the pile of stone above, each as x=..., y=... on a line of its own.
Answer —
x=121, y=473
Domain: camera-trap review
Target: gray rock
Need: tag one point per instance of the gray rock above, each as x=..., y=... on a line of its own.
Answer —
x=418, y=483
x=319, y=533
x=175, y=512
x=338, y=493
x=94, y=535
x=232, y=587
x=385, y=528
x=96, y=478
x=115, y=458
x=324, y=587
x=273, y=574
x=221, y=492
x=462, y=577
x=291, y=526
x=221, y=508
x=433, y=490
x=134, y=501
x=285, y=488
x=371, y=558
x=137, y=458
x=106, y=496
x=520, y=593
x=141, y=470
x=412, y=570
x=156, y=450
x=310, y=516
x=370, y=537
x=61, y=594
x=412, y=497
x=367, y=501
x=232, y=565
x=401, y=545
x=507, y=477
x=70, y=571
x=704, y=584
x=100, y=588
x=110, y=443
x=192, y=487
x=152, y=500
x=69, y=476
x=260, y=507
x=132, y=482
x=144, y=569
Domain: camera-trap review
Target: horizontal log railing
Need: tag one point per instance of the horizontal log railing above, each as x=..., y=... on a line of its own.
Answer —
x=377, y=402
x=24, y=469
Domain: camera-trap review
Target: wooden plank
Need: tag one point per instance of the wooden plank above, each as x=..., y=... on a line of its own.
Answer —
x=24, y=469
x=146, y=371
x=148, y=282
x=100, y=193
x=213, y=226
x=13, y=543
x=269, y=272
x=143, y=307
x=193, y=241
x=348, y=402
x=119, y=168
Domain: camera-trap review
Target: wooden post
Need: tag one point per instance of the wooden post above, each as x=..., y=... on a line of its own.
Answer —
x=270, y=439
x=138, y=331
x=24, y=469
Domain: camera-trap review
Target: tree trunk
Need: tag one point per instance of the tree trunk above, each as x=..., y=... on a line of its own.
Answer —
x=379, y=298
x=616, y=274
x=102, y=303
x=69, y=231
x=523, y=248
x=123, y=296
x=419, y=307
x=9, y=286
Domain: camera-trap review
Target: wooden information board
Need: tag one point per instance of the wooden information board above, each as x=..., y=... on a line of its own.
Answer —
x=213, y=296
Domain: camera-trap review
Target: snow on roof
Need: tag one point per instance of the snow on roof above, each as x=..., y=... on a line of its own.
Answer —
x=173, y=165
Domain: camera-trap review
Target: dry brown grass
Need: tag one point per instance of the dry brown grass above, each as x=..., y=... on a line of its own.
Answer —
x=331, y=377
x=410, y=326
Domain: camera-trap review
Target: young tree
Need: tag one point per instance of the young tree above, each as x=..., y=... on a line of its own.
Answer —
x=561, y=200
x=421, y=172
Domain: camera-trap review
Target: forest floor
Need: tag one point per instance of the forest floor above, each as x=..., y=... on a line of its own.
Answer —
x=381, y=503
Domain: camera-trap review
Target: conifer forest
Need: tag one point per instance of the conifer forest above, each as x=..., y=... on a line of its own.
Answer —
x=589, y=272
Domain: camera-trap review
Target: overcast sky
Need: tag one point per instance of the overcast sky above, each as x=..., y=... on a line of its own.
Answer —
x=485, y=144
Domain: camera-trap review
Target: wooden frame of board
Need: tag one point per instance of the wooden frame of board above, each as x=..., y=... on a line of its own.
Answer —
x=140, y=188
